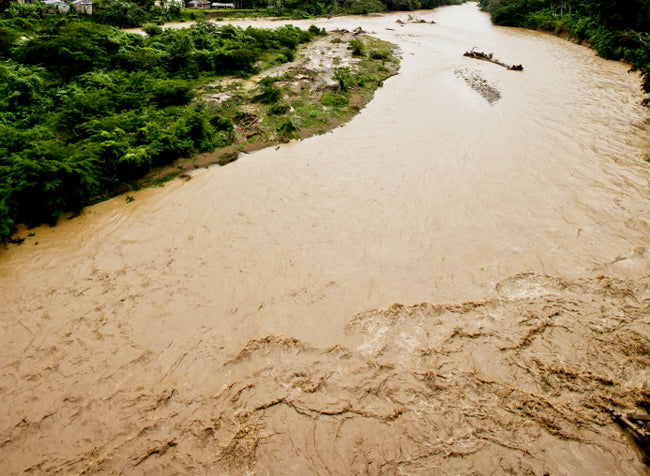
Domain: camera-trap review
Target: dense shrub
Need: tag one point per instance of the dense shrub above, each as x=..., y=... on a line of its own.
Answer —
x=279, y=108
x=379, y=54
x=269, y=92
x=344, y=78
x=357, y=47
x=363, y=7
x=287, y=129
x=152, y=30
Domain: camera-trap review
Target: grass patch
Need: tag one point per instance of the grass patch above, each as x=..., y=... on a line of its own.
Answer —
x=332, y=99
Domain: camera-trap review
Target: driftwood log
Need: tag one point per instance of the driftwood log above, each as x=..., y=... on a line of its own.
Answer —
x=638, y=425
x=489, y=57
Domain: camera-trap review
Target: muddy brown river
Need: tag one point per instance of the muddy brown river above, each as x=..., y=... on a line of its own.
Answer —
x=455, y=282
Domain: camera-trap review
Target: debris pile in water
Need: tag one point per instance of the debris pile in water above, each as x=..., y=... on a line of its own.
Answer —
x=638, y=424
x=490, y=57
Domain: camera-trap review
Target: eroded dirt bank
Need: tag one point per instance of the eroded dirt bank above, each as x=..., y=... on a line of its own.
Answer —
x=224, y=324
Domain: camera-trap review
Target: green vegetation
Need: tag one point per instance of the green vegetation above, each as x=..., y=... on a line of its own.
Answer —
x=269, y=92
x=87, y=109
x=333, y=99
x=135, y=13
x=310, y=8
x=357, y=47
x=615, y=29
x=345, y=79
x=300, y=102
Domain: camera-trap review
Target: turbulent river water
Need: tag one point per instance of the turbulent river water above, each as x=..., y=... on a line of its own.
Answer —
x=454, y=282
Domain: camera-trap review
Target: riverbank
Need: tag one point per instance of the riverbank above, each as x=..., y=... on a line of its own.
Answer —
x=614, y=32
x=324, y=87
x=76, y=132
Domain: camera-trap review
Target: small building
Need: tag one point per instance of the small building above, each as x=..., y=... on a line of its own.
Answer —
x=223, y=6
x=83, y=6
x=198, y=4
x=56, y=6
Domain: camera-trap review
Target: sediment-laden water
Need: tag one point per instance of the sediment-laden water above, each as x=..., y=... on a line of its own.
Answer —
x=456, y=280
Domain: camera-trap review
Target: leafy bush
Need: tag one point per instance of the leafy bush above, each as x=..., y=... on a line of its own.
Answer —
x=363, y=7
x=72, y=49
x=344, y=77
x=222, y=124
x=287, y=129
x=120, y=13
x=269, y=92
x=315, y=31
x=8, y=39
x=357, y=47
x=289, y=54
x=368, y=80
x=279, y=109
x=515, y=13
x=152, y=30
x=379, y=54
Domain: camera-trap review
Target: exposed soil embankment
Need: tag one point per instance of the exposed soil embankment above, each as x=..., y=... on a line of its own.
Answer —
x=521, y=383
